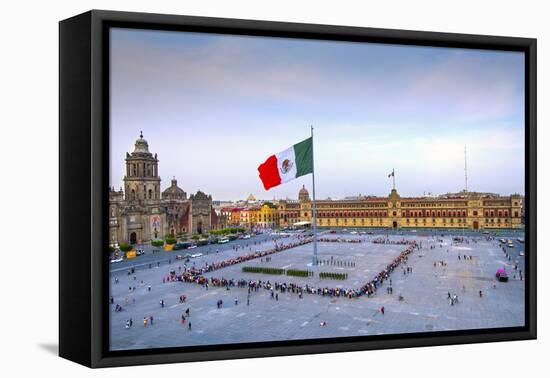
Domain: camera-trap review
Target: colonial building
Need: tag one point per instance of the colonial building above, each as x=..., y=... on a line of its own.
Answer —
x=461, y=210
x=139, y=213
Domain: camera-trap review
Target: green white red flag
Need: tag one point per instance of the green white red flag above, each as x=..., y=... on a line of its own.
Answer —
x=286, y=165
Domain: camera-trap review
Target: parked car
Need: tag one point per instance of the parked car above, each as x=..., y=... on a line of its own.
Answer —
x=183, y=245
x=120, y=259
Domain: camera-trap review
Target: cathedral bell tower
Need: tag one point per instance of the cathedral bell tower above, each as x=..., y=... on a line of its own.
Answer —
x=142, y=182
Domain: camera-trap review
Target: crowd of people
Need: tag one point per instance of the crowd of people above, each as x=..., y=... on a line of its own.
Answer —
x=196, y=275
x=391, y=241
x=370, y=287
x=338, y=240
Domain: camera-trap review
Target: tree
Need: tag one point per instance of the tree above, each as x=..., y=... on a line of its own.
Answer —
x=170, y=240
x=157, y=243
x=125, y=247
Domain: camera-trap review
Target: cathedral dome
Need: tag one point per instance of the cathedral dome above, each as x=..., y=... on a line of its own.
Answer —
x=174, y=191
x=141, y=144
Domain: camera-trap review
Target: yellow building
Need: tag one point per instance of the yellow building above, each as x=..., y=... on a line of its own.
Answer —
x=461, y=210
x=266, y=216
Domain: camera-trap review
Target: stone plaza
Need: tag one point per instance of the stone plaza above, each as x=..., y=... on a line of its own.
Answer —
x=434, y=271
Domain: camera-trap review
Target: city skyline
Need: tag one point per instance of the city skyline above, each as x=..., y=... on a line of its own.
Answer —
x=215, y=107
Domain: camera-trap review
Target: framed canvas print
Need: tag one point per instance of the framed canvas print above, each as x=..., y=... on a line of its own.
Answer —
x=234, y=188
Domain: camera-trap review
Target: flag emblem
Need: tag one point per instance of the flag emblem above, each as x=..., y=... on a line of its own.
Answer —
x=286, y=166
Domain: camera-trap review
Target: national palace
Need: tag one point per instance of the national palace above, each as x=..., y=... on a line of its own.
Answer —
x=461, y=210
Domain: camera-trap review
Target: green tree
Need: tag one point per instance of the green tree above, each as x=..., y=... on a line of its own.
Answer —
x=171, y=240
x=125, y=247
x=157, y=243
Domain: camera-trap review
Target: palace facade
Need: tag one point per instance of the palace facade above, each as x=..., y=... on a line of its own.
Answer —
x=139, y=212
x=468, y=210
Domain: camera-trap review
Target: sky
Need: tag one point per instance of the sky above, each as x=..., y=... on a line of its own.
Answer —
x=214, y=107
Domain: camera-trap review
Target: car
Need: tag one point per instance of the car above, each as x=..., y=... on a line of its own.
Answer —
x=192, y=246
x=182, y=245
x=140, y=252
x=120, y=259
x=522, y=253
x=246, y=236
x=223, y=241
x=196, y=255
x=502, y=276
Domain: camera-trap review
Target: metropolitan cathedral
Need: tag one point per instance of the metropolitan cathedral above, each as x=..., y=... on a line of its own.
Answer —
x=139, y=212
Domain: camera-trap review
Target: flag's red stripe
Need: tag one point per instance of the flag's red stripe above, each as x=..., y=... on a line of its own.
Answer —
x=269, y=173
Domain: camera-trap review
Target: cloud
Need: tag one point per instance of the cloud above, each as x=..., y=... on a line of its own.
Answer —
x=214, y=107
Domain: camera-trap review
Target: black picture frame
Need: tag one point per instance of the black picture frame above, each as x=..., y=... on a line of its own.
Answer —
x=83, y=181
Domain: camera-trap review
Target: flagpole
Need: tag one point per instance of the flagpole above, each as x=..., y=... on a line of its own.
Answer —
x=314, y=207
x=393, y=176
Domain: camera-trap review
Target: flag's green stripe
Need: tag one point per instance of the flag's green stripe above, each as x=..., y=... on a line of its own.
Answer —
x=304, y=157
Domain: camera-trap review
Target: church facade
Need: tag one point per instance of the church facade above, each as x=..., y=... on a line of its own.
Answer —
x=139, y=212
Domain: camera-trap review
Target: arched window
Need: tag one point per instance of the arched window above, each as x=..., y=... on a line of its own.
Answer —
x=133, y=195
x=150, y=194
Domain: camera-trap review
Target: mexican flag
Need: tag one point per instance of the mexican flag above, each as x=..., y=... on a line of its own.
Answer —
x=293, y=162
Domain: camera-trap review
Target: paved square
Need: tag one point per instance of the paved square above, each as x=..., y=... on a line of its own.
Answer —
x=425, y=305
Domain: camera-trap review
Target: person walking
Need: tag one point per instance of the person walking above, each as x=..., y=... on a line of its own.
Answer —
x=382, y=310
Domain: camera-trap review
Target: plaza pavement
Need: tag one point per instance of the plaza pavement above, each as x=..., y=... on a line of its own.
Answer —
x=425, y=306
